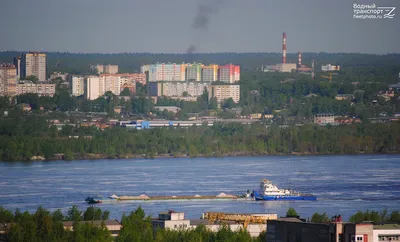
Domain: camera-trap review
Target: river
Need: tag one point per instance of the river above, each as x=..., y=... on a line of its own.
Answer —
x=343, y=184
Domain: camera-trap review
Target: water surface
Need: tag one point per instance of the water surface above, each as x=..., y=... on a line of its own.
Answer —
x=343, y=184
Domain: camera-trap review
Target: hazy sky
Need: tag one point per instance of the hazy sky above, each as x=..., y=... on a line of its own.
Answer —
x=111, y=26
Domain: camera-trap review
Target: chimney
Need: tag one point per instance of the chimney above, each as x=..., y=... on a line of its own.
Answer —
x=299, y=59
x=284, y=48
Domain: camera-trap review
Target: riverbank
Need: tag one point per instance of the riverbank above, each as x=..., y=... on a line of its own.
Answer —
x=90, y=156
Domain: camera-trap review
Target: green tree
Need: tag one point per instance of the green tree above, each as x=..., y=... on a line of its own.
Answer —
x=74, y=214
x=126, y=92
x=320, y=218
x=291, y=212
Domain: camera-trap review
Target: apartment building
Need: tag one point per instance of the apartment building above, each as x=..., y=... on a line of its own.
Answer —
x=17, y=64
x=78, y=87
x=42, y=89
x=224, y=92
x=110, y=69
x=164, y=72
x=209, y=73
x=229, y=73
x=33, y=64
x=92, y=87
x=8, y=80
x=176, y=89
x=110, y=83
x=105, y=69
x=193, y=72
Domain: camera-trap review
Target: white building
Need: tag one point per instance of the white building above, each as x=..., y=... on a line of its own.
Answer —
x=177, y=89
x=111, y=83
x=78, y=86
x=287, y=67
x=330, y=67
x=224, y=92
x=324, y=119
x=8, y=80
x=33, y=64
x=176, y=221
x=92, y=87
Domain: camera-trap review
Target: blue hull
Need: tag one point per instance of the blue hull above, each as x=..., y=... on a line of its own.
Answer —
x=285, y=198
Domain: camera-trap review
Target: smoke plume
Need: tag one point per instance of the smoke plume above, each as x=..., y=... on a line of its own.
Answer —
x=201, y=20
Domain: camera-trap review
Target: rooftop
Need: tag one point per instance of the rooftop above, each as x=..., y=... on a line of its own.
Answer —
x=387, y=226
x=95, y=222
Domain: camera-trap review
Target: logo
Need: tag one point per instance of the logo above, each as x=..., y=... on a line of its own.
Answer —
x=371, y=11
x=389, y=11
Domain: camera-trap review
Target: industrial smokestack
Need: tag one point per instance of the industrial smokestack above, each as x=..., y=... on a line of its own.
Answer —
x=299, y=59
x=284, y=48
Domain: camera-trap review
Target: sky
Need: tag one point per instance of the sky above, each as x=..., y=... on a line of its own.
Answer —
x=178, y=26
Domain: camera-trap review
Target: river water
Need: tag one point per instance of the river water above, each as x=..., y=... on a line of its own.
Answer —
x=343, y=184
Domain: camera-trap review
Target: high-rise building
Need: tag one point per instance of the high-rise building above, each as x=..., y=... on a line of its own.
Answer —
x=229, y=73
x=33, y=64
x=92, y=87
x=164, y=72
x=224, y=92
x=193, y=72
x=110, y=69
x=111, y=82
x=209, y=73
x=42, y=89
x=8, y=80
x=177, y=89
x=17, y=63
x=78, y=87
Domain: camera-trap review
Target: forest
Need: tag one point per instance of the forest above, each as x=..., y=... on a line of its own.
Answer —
x=22, y=137
x=44, y=225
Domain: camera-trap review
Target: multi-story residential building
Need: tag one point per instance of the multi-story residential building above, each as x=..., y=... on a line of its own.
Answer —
x=224, y=92
x=175, y=89
x=78, y=87
x=33, y=64
x=42, y=89
x=111, y=83
x=164, y=72
x=17, y=63
x=133, y=77
x=92, y=87
x=105, y=69
x=229, y=73
x=110, y=69
x=193, y=72
x=8, y=80
x=209, y=73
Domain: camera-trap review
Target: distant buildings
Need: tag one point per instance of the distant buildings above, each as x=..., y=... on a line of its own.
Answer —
x=330, y=67
x=177, y=89
x=77, y=83
x=94, y=86
x=224, y=92
x=324, y=119
x=8, y=80
x=196, y=72
x=341, y=97
x=42, y=89
x=190, y=80
x=31, y=64
x=105, y=69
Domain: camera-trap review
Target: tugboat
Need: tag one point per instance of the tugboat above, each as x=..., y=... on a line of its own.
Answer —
x=92, y=200
x=269, y=192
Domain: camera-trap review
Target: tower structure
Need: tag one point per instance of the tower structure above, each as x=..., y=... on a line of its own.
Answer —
x=284, y=48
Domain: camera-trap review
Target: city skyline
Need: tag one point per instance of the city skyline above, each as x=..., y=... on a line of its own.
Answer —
x=195, y=26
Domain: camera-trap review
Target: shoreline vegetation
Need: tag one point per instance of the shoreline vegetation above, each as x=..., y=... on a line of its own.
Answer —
x=89, y=156
x=32, y=138
x=44, y=225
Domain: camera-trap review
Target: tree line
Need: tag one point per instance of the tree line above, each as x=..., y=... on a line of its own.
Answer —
x=22, y=137
x=44, y=225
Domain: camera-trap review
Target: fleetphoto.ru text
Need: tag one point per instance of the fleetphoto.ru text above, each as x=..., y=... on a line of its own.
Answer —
x=371, y=11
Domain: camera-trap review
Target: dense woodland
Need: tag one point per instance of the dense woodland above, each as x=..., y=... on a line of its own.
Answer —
x=22, y=137
x=44, y=225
